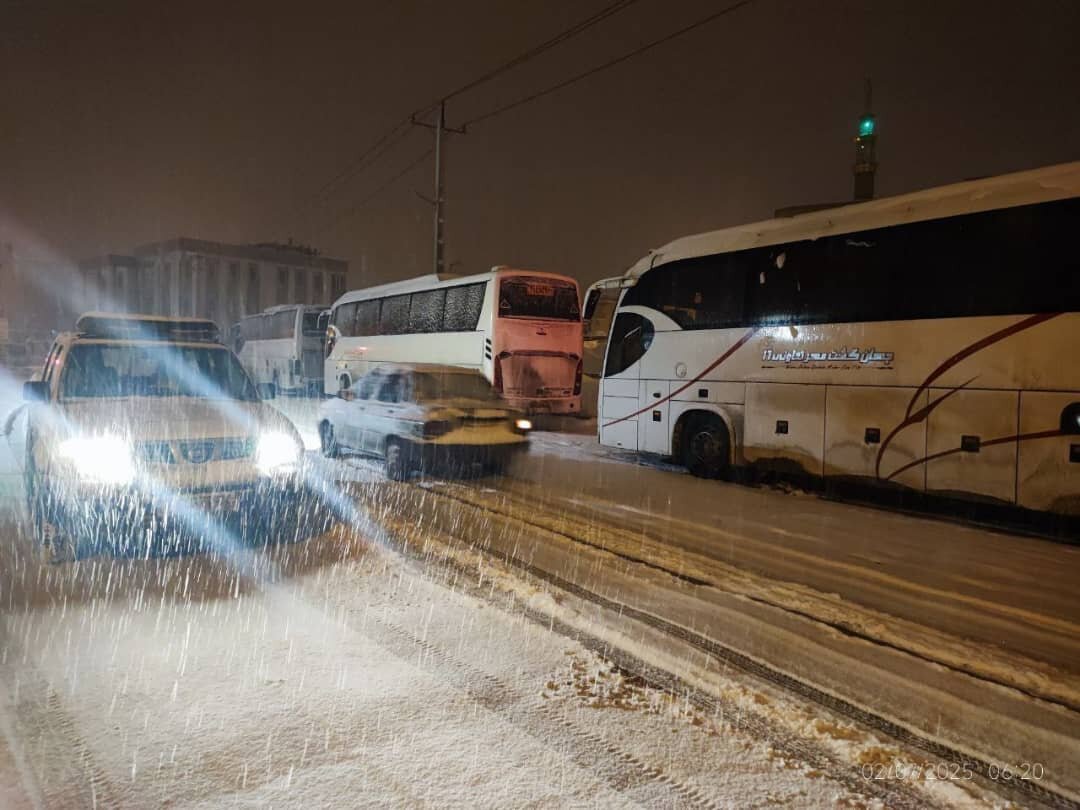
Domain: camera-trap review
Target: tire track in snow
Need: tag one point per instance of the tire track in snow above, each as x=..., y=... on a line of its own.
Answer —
x=621, y=770
x=62, y=763
x=1030, y=790
x=893, y=794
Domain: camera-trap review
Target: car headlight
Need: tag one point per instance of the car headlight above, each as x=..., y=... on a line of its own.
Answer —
x=102, y=459
x=275, y=451
x=523, y=425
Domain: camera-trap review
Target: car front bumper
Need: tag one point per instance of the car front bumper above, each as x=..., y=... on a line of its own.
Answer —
x=451, y=456
x=125, y=521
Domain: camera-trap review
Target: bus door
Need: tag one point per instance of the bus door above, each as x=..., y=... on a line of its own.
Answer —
x=621, y=387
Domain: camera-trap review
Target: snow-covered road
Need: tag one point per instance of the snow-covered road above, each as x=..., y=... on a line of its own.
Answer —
x=471, y=642
x=354, y=678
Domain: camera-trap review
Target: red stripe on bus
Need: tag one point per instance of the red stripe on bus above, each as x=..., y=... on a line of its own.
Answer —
x=1019, y=437
x=738, y=344
x=977, y=346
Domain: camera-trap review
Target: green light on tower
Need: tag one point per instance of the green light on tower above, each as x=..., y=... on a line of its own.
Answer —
x=866, y=126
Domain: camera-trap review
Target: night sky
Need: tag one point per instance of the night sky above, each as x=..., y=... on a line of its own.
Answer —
x=128, y=122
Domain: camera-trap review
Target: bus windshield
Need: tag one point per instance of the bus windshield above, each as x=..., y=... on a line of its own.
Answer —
x=164, y=370
x=538, y=297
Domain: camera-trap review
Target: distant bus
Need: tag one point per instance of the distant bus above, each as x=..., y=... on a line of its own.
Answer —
x=521, y=328
x=926, y=341
x=283, y=345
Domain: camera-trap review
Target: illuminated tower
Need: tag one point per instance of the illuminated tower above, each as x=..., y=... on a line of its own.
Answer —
x=866, y=152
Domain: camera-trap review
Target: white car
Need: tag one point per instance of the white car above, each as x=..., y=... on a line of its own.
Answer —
x=144, y=428
x=423, y=417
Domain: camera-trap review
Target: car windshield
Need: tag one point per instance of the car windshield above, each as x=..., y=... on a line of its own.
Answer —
x=451, y=385
x=163, y=370
x=538, y=297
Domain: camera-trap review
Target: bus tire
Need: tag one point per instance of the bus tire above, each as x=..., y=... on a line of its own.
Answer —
x=328, y=441
x=705, y=445
x=395, y=462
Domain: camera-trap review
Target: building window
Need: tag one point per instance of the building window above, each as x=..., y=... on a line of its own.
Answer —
x=300, y=286
x=337, y=286
x=282, y=296
x=253, y=292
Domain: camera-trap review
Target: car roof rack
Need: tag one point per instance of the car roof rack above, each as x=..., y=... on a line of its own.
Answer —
x=147, y=327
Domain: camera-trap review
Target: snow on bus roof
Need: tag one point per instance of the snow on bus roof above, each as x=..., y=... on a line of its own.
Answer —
x=1003, y=191
x=433, y=282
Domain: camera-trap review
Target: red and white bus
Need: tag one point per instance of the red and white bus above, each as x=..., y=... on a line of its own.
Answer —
x=926, y=341
x=521, y=328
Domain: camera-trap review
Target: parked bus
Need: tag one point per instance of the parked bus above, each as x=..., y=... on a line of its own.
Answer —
x=521, y=328
x=283, y=345
x=926, y=341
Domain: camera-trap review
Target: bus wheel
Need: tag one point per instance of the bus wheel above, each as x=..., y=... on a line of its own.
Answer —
x=395, y=464
x=327, y=441
x=705, y=446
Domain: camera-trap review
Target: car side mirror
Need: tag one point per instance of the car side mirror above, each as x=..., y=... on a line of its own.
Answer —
x=36, y=391
x=266, y=390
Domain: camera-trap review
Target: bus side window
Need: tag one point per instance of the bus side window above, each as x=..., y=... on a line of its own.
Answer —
x=630, y=338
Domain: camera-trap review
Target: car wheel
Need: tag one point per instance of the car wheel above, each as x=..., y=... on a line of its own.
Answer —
x=396, y=467
x=327, y=440
x=706, y=447
x=51, y=544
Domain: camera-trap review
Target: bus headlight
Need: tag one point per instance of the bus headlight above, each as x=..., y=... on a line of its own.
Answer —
x=276, y=450
x=104, y=459
x=522, y=425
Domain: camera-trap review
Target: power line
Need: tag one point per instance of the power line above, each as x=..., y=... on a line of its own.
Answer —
x=605, y=65
x=562, y=36
x=395, y=133
x=383, y=187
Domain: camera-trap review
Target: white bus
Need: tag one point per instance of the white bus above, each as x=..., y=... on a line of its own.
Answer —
x=928, y=341
x=283, y=345
x=521, y=328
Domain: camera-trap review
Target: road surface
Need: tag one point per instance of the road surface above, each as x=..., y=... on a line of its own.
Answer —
x=555, y=624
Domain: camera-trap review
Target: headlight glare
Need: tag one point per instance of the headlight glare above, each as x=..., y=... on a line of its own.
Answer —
x=102, y=459
x=275, y=451
x=523, y=425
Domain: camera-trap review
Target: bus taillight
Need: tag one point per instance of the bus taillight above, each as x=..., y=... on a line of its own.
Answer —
x=577, y=376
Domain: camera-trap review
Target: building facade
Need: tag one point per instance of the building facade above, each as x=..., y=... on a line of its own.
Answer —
x=215, y=280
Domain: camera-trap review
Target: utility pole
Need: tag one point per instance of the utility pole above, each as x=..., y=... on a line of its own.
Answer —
x=439, y=200
x=866, y=150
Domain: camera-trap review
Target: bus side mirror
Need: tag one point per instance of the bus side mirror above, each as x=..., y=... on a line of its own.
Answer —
x=36, y=391
x=266, y=390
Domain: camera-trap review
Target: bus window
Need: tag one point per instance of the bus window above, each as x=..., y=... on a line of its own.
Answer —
x=630, y=338
x=700, y=293
x=426, y=311
x=282, y=324
x=367, y=318
x=311, y=325
x=342, y=318
x=538, y=297
x=394, y=318
x=463, y=305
